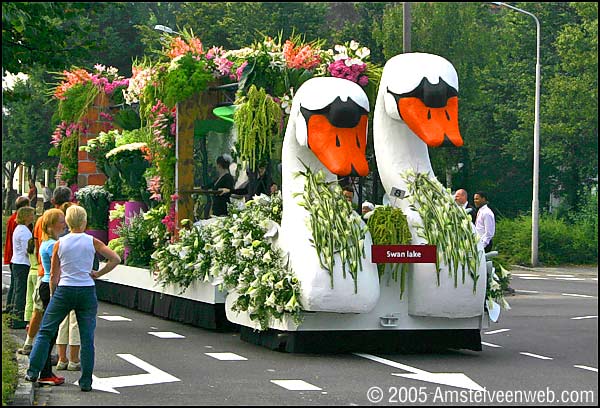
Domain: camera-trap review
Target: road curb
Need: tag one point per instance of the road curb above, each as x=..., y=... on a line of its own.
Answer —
x=26, y=392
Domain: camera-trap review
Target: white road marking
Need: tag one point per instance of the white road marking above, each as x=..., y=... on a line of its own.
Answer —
x=153, y=376
x=534, y=278
x=296, y=385
x=458, y=380
x=208, y=347
x=527, y=291
x=584, y=317
x=497, y=331
x=536, y=356
x=226, y=356
x=576, y=295
x=154, y=328
x=570, y=279
x=560, y=276
x=115, y=318
x=587, y=368
x=490, y=344
x=167, y=335
x=523, y=274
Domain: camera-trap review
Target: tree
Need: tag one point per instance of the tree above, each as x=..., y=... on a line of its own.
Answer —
x=571, y=118
x=27, y=126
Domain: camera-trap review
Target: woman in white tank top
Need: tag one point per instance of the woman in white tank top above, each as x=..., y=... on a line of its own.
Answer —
x=72, y=287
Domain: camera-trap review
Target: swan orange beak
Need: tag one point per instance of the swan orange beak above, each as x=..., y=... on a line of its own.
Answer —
x=435, y=126
x=341, y=149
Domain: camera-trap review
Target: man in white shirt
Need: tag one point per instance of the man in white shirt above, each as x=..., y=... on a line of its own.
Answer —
x=462, y=200
x=485, y=223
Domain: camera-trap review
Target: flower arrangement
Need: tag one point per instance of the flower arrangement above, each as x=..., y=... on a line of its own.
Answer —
x=335, y=227
x=160, y=152
x=349, y=63
x=65, y=141
x=498, y=281
x=388, y=226
x=137, y=241
x=131, y=165
x=445, y=225
x=236, y=252
x=257, y=120
x=95, y=200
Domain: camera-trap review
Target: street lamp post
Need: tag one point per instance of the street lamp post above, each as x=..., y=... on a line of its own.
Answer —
x=536, y=143
x=165, y=29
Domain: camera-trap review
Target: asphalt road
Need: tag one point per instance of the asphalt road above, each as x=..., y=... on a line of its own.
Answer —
x=544, y=350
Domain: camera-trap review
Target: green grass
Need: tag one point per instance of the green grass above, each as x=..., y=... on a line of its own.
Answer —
x=10, y=369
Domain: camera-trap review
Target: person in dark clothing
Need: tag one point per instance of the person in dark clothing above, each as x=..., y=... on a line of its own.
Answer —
x=225, y=184
x=263, y=182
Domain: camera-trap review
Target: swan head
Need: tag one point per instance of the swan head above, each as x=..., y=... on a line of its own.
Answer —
x=331, y=118
x=422, y=91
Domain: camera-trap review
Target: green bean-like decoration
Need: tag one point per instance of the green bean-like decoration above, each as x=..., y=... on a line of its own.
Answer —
x=445, y=225
x=336, y=228
x=257, y=120
x=388, y=226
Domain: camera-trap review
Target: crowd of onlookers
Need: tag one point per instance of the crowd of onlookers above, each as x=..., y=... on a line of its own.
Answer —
x=52, y=291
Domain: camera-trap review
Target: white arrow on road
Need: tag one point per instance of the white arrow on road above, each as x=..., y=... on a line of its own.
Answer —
x=458, y=380
x=153, y=376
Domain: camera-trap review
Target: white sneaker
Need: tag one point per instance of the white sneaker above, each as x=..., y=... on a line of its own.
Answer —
x=73, y=366
x=62, y=365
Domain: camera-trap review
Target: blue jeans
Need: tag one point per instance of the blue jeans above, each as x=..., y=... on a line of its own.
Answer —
x=83, y=300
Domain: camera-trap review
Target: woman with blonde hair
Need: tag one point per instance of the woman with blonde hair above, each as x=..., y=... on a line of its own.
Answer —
x=52, y=227
x=72, y=287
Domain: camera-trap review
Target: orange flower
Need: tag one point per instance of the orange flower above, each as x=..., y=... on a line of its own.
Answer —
x=180, y=47
x=300, y=58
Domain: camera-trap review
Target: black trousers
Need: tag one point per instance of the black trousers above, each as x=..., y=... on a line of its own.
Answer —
x=20, y=272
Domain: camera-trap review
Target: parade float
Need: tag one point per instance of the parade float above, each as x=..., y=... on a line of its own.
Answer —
x=293, y=271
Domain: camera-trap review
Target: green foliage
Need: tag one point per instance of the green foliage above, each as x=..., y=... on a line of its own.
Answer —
x=388, y=226
x=69, y=159
x=257, y=120
x=560, y=241
x=118, y=245
x=445, y=225
x=188, y=78
x=9, y=364
x=127, y=119
x=95, y=200
x=131, y=165
x=78, y=100
x=137, y=240
x=335, y=227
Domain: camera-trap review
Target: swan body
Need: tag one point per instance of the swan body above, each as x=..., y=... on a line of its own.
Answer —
x=310, y=140
x=417, y=107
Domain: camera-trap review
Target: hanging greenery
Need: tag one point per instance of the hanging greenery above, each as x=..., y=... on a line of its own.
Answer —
x=445, y=225
x=336, y=228
x=388, y=226
x=257, y=119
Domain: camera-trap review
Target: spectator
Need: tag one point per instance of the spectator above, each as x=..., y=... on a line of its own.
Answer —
x=60, y=196
x=68, y=335
x=47, y=196
x=462, y=199
x=367, y=207
x=20, y=264
x=52, y=226
x=32, y=194
x=348, y=192
x=72, y=287
x=11, y=224
x=485, y=223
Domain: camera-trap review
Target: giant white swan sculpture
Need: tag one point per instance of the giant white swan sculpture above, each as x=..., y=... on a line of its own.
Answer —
x=327, y=130
x=417, y=107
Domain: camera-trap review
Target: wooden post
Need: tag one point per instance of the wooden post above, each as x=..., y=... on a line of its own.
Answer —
x=198, y=107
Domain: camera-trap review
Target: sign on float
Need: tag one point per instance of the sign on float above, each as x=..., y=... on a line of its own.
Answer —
x=403, y=253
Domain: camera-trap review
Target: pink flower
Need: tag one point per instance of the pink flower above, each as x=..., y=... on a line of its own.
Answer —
x=240, y=70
